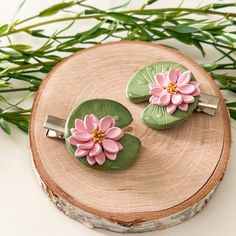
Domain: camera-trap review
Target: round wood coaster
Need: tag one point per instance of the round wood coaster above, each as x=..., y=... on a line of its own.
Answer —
x=177, y=169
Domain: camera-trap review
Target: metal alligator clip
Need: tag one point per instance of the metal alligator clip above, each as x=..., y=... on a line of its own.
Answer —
x=55, y=127
x=208, y=104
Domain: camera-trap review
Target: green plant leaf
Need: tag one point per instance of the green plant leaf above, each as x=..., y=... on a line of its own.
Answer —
x=5, y=127
x=122, y=6
x=209, y=67
x=182, y=29
x=156, y=116
x=37, y=33
x=199, y=46
x=86, y=34
x=21, y=121
x=2, y=99
x=232, y=113
x=127, y=19
x=3, y=28
x=102, y=108
x=222, y=5
x=4, y=84
x=92, y=11
x=55, y=8
x=137, y=89
x=231, y=104
x=149, y=2
x=20, y=47
x=184, y=38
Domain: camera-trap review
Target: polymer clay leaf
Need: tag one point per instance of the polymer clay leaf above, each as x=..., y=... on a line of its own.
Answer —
x=137, y=89
x=102, y=108
x=157, y=117
x=94, y=136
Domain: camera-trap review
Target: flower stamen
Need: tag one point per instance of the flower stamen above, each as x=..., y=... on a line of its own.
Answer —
x=171, y=88
x=98, y=136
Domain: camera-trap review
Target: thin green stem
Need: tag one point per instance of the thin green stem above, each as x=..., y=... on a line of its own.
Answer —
x=26, y=28
x=138, y=12
x=29, y=66
x=17, y=112
x=14, y=90
x=218, y=45
x=190, y=10
x=27, y=19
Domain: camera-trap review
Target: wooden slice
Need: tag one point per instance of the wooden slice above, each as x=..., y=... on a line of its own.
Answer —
x=177, y=169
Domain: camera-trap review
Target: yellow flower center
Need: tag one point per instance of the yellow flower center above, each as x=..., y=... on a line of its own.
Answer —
x=98, y=136
x=171, y=88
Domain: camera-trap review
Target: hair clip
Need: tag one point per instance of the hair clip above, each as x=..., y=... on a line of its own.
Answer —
x=93, y=134
x=172, y=92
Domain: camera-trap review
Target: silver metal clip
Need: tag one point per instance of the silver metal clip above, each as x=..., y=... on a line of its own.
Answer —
x=55, y=127
x=208, y=104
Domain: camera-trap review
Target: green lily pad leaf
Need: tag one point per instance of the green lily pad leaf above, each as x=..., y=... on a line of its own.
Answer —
x=102, y=108
x=137, y=89
x=156, y=116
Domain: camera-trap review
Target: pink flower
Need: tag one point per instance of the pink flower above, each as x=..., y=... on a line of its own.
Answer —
x=96, y=139
x=173, y=89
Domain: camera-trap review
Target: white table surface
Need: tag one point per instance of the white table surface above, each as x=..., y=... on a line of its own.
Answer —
x=25, y=210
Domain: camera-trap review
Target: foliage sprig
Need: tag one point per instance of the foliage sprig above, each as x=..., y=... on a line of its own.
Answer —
x=22, y=62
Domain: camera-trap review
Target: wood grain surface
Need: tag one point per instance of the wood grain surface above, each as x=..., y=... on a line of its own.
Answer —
x=173, y=173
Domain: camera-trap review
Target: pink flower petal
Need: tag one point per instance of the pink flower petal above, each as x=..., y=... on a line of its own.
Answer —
x=95, y=150
x=91, y=160
x=176, y=99
x=81, y=152
x=114, y=133
x=82, y=136
x=110, y=156
x=188, y=99
x=72, y=140
x=89, y=123
x=183, y=106
x=119, y=137
x=94, y=117
x=157, y=91
x=73, y=130
x=79, y=125
x=184, y=78
x=87, y=145
x=195, y=83
x=153, y=86
x=171, y=108
x=178, y=73
x=110, y=145
x=186, y=89
x=162, y=80
x=155, y=100
x=100, y=158
x=151, y=99
x=196, y=92
x=105, y=123
x=120, y=146
x=172, y=75
x=113, y=122
x=164, y=99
